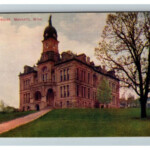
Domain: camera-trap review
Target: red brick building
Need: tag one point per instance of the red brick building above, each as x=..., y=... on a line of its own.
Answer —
x=63, y=81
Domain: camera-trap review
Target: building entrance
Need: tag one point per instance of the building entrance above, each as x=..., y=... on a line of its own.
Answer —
x=37, y=107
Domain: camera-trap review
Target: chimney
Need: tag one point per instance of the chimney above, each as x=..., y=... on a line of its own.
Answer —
x=82, y=57
x=104, y=70
x=88, y=60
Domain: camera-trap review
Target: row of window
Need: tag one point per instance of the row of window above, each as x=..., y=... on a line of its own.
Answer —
x=64, y=74
x=64, y=91
x=26, y=98
x=84, y=92
x=81, y=75
x=45, y=75
x=85, y=77
x=26, y=84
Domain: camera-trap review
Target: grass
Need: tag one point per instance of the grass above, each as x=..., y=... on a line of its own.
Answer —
x=85, y=123
x=13, y=115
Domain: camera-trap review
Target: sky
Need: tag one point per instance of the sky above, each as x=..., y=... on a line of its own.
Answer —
x=20, y=43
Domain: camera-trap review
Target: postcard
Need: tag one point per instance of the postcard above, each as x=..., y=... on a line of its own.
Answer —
x=75, y=75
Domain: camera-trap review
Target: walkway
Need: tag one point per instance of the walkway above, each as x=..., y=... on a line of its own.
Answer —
x=9, y=125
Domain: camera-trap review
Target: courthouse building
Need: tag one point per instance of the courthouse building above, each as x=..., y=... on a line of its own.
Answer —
x=63, y=80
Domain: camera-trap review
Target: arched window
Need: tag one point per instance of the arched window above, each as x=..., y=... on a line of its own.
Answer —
x=44, y=69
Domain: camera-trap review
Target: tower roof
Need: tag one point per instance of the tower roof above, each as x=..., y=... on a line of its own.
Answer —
x=50, y=31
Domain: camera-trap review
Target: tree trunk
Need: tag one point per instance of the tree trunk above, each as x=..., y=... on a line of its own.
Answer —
x=143, y=108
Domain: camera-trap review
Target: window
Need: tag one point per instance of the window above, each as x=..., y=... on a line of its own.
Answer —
x=54, y=78
x=94, y=80
x=83, y=75
x=89, y=93
x=64, y=75
x=77, y=74
x=44, y=74
x=64, y=91
x=24, y=85
x=24, y=98
x=68, y=74
x=84, y=92
x=44, y=77
x=77, y=90
x=28, y=98
x=44, y=69
x=61, y=95
x=88, y=78
x=68, y=90
x=60, y=75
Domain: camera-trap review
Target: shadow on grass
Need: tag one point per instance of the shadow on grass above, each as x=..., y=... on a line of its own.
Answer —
x=142, y=119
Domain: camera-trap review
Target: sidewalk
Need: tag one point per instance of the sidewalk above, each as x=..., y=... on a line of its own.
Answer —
x=9, y=125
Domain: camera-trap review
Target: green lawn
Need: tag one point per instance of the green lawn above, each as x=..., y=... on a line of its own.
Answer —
x=9, y=116
x=85, y=123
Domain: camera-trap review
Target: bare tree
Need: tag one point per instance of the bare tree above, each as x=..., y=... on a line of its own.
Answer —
x=125, y=48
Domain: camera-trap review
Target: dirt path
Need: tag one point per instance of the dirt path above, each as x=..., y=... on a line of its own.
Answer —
x=9, y=125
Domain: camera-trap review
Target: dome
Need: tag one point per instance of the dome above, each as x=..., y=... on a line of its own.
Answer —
x=50, y=31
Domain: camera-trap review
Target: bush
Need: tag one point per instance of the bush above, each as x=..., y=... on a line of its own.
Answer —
x=10, y=109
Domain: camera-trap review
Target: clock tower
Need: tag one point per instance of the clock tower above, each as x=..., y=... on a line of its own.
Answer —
x=50, y=44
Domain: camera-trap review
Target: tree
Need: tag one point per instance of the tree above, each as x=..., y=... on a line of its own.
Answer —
x=2, y=106
x=104, y=92
x=125, y=48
